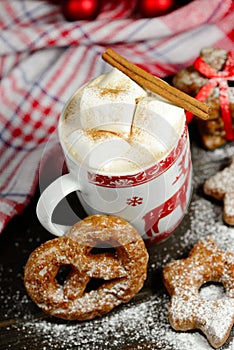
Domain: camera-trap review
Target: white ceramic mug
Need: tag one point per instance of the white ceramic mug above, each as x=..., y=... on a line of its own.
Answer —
x=153, y=199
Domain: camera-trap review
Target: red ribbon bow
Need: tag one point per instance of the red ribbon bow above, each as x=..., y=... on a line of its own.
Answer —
x=217, y=78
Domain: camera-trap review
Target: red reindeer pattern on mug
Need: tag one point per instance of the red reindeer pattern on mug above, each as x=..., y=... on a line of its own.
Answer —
x=153, y=217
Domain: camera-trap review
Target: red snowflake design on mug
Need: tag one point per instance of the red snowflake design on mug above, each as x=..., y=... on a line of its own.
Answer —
x=134, y=201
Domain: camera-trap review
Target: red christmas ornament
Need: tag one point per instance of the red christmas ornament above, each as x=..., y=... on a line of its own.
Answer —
x=75, y=10
x=154, y=8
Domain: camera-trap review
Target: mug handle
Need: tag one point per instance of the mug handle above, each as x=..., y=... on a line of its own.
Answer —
x=50, y=198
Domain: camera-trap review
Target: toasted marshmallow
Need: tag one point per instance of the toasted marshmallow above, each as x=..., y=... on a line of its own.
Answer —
x=110, y=105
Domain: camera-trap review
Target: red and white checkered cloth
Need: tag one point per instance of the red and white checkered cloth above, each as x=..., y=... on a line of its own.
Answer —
x=44, y=59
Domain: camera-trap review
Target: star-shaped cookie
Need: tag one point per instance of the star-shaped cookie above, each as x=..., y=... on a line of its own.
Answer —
x=188, y=309
x=221, y=187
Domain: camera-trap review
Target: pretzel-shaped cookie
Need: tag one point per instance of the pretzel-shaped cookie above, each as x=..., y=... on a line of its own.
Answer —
x=188, y=309
x=124, y=272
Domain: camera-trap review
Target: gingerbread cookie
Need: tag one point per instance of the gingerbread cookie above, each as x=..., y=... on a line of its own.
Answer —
x=221, y=187
x=188, y=310
x=122, y=272
x=207, y=80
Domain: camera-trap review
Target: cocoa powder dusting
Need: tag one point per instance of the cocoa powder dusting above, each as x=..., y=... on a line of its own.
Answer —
x=97, y=134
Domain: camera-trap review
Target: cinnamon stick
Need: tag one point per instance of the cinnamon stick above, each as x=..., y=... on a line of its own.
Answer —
x=156, y=85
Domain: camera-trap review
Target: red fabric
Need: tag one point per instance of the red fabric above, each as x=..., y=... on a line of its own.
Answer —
x=44, y=59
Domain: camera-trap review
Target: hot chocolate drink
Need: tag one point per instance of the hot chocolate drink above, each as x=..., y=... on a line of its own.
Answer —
x=115, y=126
x=127, y=154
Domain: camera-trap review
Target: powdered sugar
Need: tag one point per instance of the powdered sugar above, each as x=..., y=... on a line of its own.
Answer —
x=188, y=309
x=143, y=323
x=135, y=323
x=213, y=292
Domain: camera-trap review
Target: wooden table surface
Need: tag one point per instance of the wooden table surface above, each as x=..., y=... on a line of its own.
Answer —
x=137, y=325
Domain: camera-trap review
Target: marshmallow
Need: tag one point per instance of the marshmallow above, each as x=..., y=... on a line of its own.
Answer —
x=96, y=147
x=135, y=157
x=108, y=151
x=138, y=154
x=120, y=128
x=161, y=121
x=110, y=105
x=119, y=166
x=115, y=79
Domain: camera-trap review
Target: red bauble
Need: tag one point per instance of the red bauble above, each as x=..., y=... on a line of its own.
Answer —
x=153, y=8
x=75, y=10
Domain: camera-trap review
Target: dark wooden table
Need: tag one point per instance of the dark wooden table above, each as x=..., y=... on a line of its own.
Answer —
x=140, y=324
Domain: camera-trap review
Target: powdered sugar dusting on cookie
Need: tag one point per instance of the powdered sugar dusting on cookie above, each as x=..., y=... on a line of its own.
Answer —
x=123, y=274
x=229, y=208
x=188, y=309
x=221, y=183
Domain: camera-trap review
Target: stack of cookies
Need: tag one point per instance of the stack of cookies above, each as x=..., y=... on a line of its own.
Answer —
x=190, y=80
